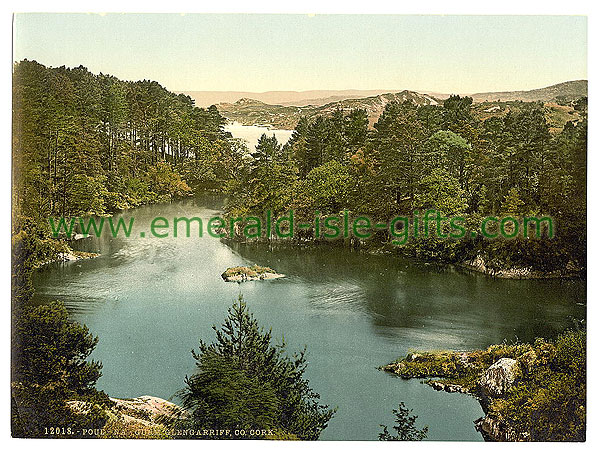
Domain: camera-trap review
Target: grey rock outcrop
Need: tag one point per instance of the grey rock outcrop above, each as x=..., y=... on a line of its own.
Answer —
x=498, y=378
x=494, y=430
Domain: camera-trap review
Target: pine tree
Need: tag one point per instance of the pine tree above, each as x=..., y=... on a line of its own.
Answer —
x=245, y=382
x=49, y=368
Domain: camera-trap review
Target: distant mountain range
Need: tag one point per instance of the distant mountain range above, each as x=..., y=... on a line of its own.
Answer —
x=288, y=98
x=283, y=109
x=570, y=90
x=250, y=111
x=567, y=91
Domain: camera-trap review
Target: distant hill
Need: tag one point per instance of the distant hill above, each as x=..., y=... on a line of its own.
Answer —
x=566, y=91
x=286, y=98
x=570, y=90
x=285, y=114
x=251, y=111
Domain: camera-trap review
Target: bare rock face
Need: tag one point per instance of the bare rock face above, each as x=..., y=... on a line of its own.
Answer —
x=498, y=378
x=147, y=409
x=445, y=387
x=494, y=430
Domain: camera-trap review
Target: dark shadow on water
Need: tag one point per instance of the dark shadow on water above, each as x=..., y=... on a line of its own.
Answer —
x=402, y=293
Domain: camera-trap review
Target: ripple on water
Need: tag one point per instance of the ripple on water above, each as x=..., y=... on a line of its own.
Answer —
x=345, y=296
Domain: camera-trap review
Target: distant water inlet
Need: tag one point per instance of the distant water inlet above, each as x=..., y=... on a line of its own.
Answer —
x=251, y=134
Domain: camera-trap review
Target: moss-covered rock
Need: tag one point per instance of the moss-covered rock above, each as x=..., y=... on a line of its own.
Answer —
x=249, y=273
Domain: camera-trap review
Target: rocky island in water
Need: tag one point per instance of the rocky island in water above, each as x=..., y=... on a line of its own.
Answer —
x=248, y=273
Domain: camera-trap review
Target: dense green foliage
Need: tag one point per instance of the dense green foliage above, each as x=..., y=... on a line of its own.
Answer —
x=87, y=144
x=432, y=157
x=84, y=145
x=244, y=382
x=547, y=401
x=406, y=429
x=49, y=368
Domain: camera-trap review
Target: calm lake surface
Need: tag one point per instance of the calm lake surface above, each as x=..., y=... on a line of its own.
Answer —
x=251, y=134
x=150, y=300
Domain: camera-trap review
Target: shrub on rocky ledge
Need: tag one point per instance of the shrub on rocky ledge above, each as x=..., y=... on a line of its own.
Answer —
x=543, y=399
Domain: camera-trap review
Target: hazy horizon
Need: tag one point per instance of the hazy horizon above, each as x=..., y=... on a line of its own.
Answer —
x=390, y=90
x=260, y=53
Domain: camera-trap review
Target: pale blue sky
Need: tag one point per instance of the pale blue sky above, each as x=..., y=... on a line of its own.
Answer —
x=458, y=54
